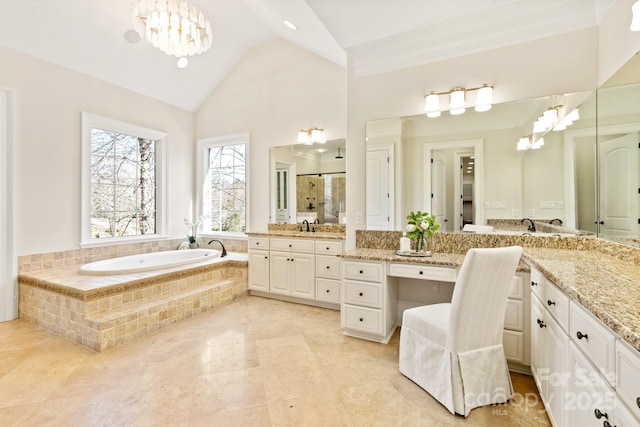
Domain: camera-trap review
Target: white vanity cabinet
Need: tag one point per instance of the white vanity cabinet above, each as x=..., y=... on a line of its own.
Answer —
x=259, y=264
x=369, y=301
x=298, y=269
x=586, y=375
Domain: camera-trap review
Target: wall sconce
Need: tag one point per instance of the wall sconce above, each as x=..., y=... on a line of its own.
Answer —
x=567, y=120
x=635, y=16
x=528, y=143
x=457, y=101
x=311, y=136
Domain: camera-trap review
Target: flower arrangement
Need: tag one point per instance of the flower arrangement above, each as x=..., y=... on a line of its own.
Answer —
x=193, y=229
x=419, y=225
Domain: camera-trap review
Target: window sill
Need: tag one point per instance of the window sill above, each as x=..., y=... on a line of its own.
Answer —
x=112, y=241
x=222, y=235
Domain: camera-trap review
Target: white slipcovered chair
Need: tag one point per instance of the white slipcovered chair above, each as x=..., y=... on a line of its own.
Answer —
x=454, y=350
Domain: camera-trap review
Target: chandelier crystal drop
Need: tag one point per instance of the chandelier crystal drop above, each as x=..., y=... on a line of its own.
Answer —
x=172, y=26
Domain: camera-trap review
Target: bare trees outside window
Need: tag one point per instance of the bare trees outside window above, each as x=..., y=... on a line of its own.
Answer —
x=123, y=184
x=227, y=172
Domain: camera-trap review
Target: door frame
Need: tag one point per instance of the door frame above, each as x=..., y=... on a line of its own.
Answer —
x=8, y=261
x=470, y=145
x=291, y=185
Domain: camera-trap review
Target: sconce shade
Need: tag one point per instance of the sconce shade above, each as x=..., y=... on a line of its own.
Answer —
x=523, y=143
x=550, y=116
x=537, y=143
x=310, y=136
x=484, y=98
x=457, y=102
x=635, y=16
x=539, y=126
x=432, y=105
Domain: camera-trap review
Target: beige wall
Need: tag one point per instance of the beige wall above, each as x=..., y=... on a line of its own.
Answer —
x=275, y=90
x=48, y=101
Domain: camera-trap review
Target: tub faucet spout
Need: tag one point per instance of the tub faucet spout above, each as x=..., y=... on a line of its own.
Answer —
x=224, y=251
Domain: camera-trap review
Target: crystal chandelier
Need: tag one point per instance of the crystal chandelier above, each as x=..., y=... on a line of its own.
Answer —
x=172, y=26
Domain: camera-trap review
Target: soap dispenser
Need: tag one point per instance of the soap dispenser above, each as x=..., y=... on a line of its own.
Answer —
x=405, y=243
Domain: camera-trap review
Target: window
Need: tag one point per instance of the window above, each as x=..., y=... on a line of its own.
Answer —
x=122, y=181
x=224, y=190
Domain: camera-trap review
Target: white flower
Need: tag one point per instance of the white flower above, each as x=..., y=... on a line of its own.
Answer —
x=424, y=225
x=410, y=228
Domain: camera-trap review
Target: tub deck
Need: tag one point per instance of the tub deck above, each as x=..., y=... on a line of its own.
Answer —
x=101, y=312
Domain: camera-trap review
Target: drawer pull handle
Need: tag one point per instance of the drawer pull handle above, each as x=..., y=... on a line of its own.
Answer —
x=580, y=335
x=361, y=271
x=606, y=424
x=638, y=401
x=328, y=291
x=362, y=319
x=328, y=267
x=550, y=303
x=266, y=257
x=327, y=247
x=533, y=283
x=257, y=243
x=360, y=294
x=600, y=414
x=421, y=272
x=541, y=324
x=289, y=245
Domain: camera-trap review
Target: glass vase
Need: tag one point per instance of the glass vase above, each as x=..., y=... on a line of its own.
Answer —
x=421, y=244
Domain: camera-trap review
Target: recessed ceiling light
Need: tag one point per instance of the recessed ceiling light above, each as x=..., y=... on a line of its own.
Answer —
x=321, y=150
x=290, y=24
x=182, y=62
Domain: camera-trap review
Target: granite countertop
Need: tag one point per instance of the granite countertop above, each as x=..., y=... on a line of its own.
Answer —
x=304, y=234
x=437, y=258
x=606, y=286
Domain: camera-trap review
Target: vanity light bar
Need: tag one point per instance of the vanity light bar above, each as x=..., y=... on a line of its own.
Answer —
x=310, y=136
x=457, y=101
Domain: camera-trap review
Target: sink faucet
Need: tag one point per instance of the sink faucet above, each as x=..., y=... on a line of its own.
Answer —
x=306, y=221
x=532, y=226
x=224, y=251
x=556, y=221
x=316, y=221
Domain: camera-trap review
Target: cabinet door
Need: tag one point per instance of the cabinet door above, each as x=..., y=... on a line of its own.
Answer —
x=555, y=350
x=259, y=270
x=590, y=401
x=537, y=341
x=280, y=272
x=303, y=283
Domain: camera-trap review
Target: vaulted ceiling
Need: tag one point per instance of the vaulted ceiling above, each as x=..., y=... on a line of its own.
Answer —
x=380, y=35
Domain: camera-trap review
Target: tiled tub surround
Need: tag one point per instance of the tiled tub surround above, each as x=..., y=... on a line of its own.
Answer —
x=76, y=257
x=101, y=312
x=603, y=276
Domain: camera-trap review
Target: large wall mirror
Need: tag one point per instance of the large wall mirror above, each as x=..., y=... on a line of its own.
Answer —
x=308, y=182
x=466, y=168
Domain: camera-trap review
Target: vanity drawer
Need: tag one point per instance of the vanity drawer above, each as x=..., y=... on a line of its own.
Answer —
x=537, y=283
x=258, y=243
x=360, y=293
x=595, y=341
x=328, y=266
x=426, y=272
x=557, y=303
x=516, y=290
x=513, y=315
x=328, y=247
x=367, y=271
x=293, y=245
x=628, y=376
x=328, y=290
x=362, y=318
x=513, y=343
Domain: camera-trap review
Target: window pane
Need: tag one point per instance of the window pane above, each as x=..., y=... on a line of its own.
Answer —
x=227, y=173
x=123, y=189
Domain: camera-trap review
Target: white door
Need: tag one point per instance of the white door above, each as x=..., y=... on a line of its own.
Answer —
x=377, y=190
x=439, y=187
x=619, y=186
x=282, y=195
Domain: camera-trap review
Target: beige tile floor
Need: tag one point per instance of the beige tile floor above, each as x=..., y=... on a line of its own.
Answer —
x=255, y=362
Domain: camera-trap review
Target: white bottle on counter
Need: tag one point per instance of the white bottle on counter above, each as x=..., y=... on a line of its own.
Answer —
x=405, y=243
